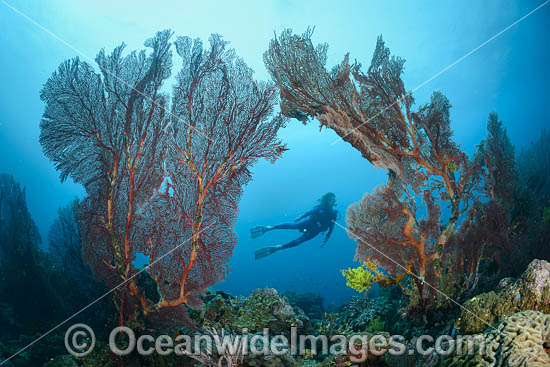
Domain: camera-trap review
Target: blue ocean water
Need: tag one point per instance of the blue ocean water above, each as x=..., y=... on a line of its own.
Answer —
x=508, y=72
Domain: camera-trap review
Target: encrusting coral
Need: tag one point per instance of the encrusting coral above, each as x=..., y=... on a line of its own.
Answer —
x=531, y=291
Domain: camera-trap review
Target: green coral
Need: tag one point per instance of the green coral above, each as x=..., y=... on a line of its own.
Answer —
x=308, y=356
x=376, y=325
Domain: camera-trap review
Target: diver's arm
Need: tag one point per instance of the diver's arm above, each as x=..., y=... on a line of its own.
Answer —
x=327, y=236
x=330, y=228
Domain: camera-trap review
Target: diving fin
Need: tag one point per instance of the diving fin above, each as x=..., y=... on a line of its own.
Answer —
x=265, y=251
x=256, y=232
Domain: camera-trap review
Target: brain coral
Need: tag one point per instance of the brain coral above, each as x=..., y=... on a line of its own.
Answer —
x=521, y=340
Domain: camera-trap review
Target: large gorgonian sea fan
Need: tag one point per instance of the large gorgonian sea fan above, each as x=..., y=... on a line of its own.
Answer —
x=105, y=131
x=372, y=111
x=401, y=223
x=226, y=128
x=163, y=175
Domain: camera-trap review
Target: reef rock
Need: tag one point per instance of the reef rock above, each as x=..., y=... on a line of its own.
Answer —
x=531, y=291
x=267, y=308
x=219, y=311
x=310, y=303
x=264, y=308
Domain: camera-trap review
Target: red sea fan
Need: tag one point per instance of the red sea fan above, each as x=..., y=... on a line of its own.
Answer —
x=407, y=223
x=163, y=175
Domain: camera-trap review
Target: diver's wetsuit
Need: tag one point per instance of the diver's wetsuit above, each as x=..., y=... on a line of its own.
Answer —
x=317, y=220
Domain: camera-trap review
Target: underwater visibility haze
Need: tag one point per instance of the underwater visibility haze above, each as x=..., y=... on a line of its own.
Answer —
x=358, y=168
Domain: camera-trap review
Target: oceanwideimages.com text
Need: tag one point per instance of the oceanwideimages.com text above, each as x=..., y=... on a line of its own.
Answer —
x=80, y=340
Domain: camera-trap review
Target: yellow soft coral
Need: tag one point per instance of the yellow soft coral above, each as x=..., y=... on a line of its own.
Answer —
x=365, y=276
x=360, y=278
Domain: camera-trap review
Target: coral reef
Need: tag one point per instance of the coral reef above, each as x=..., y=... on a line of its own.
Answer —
x=220, y=310
x=520, y=340
x=227, y=357
x=22, y=265
x=546, y=216
x=267, y=308
x=263, y=308
x=35, y=291
x=103, y=356
x=65, y=247
x=270, y=360
x=359, y=313
x=530, y=213
x=161, y=184
x=331, y=325
x=310, y=303
x=36, y=355
x=531, y=291
x=534, y=167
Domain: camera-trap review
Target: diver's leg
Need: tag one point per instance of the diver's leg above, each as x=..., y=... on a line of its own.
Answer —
x=288, y=225
x=260, y=230
x=306, y=236
x=266, y=251
x=292, y=225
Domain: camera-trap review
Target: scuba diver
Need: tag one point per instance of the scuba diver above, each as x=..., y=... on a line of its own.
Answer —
x=319, y=219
